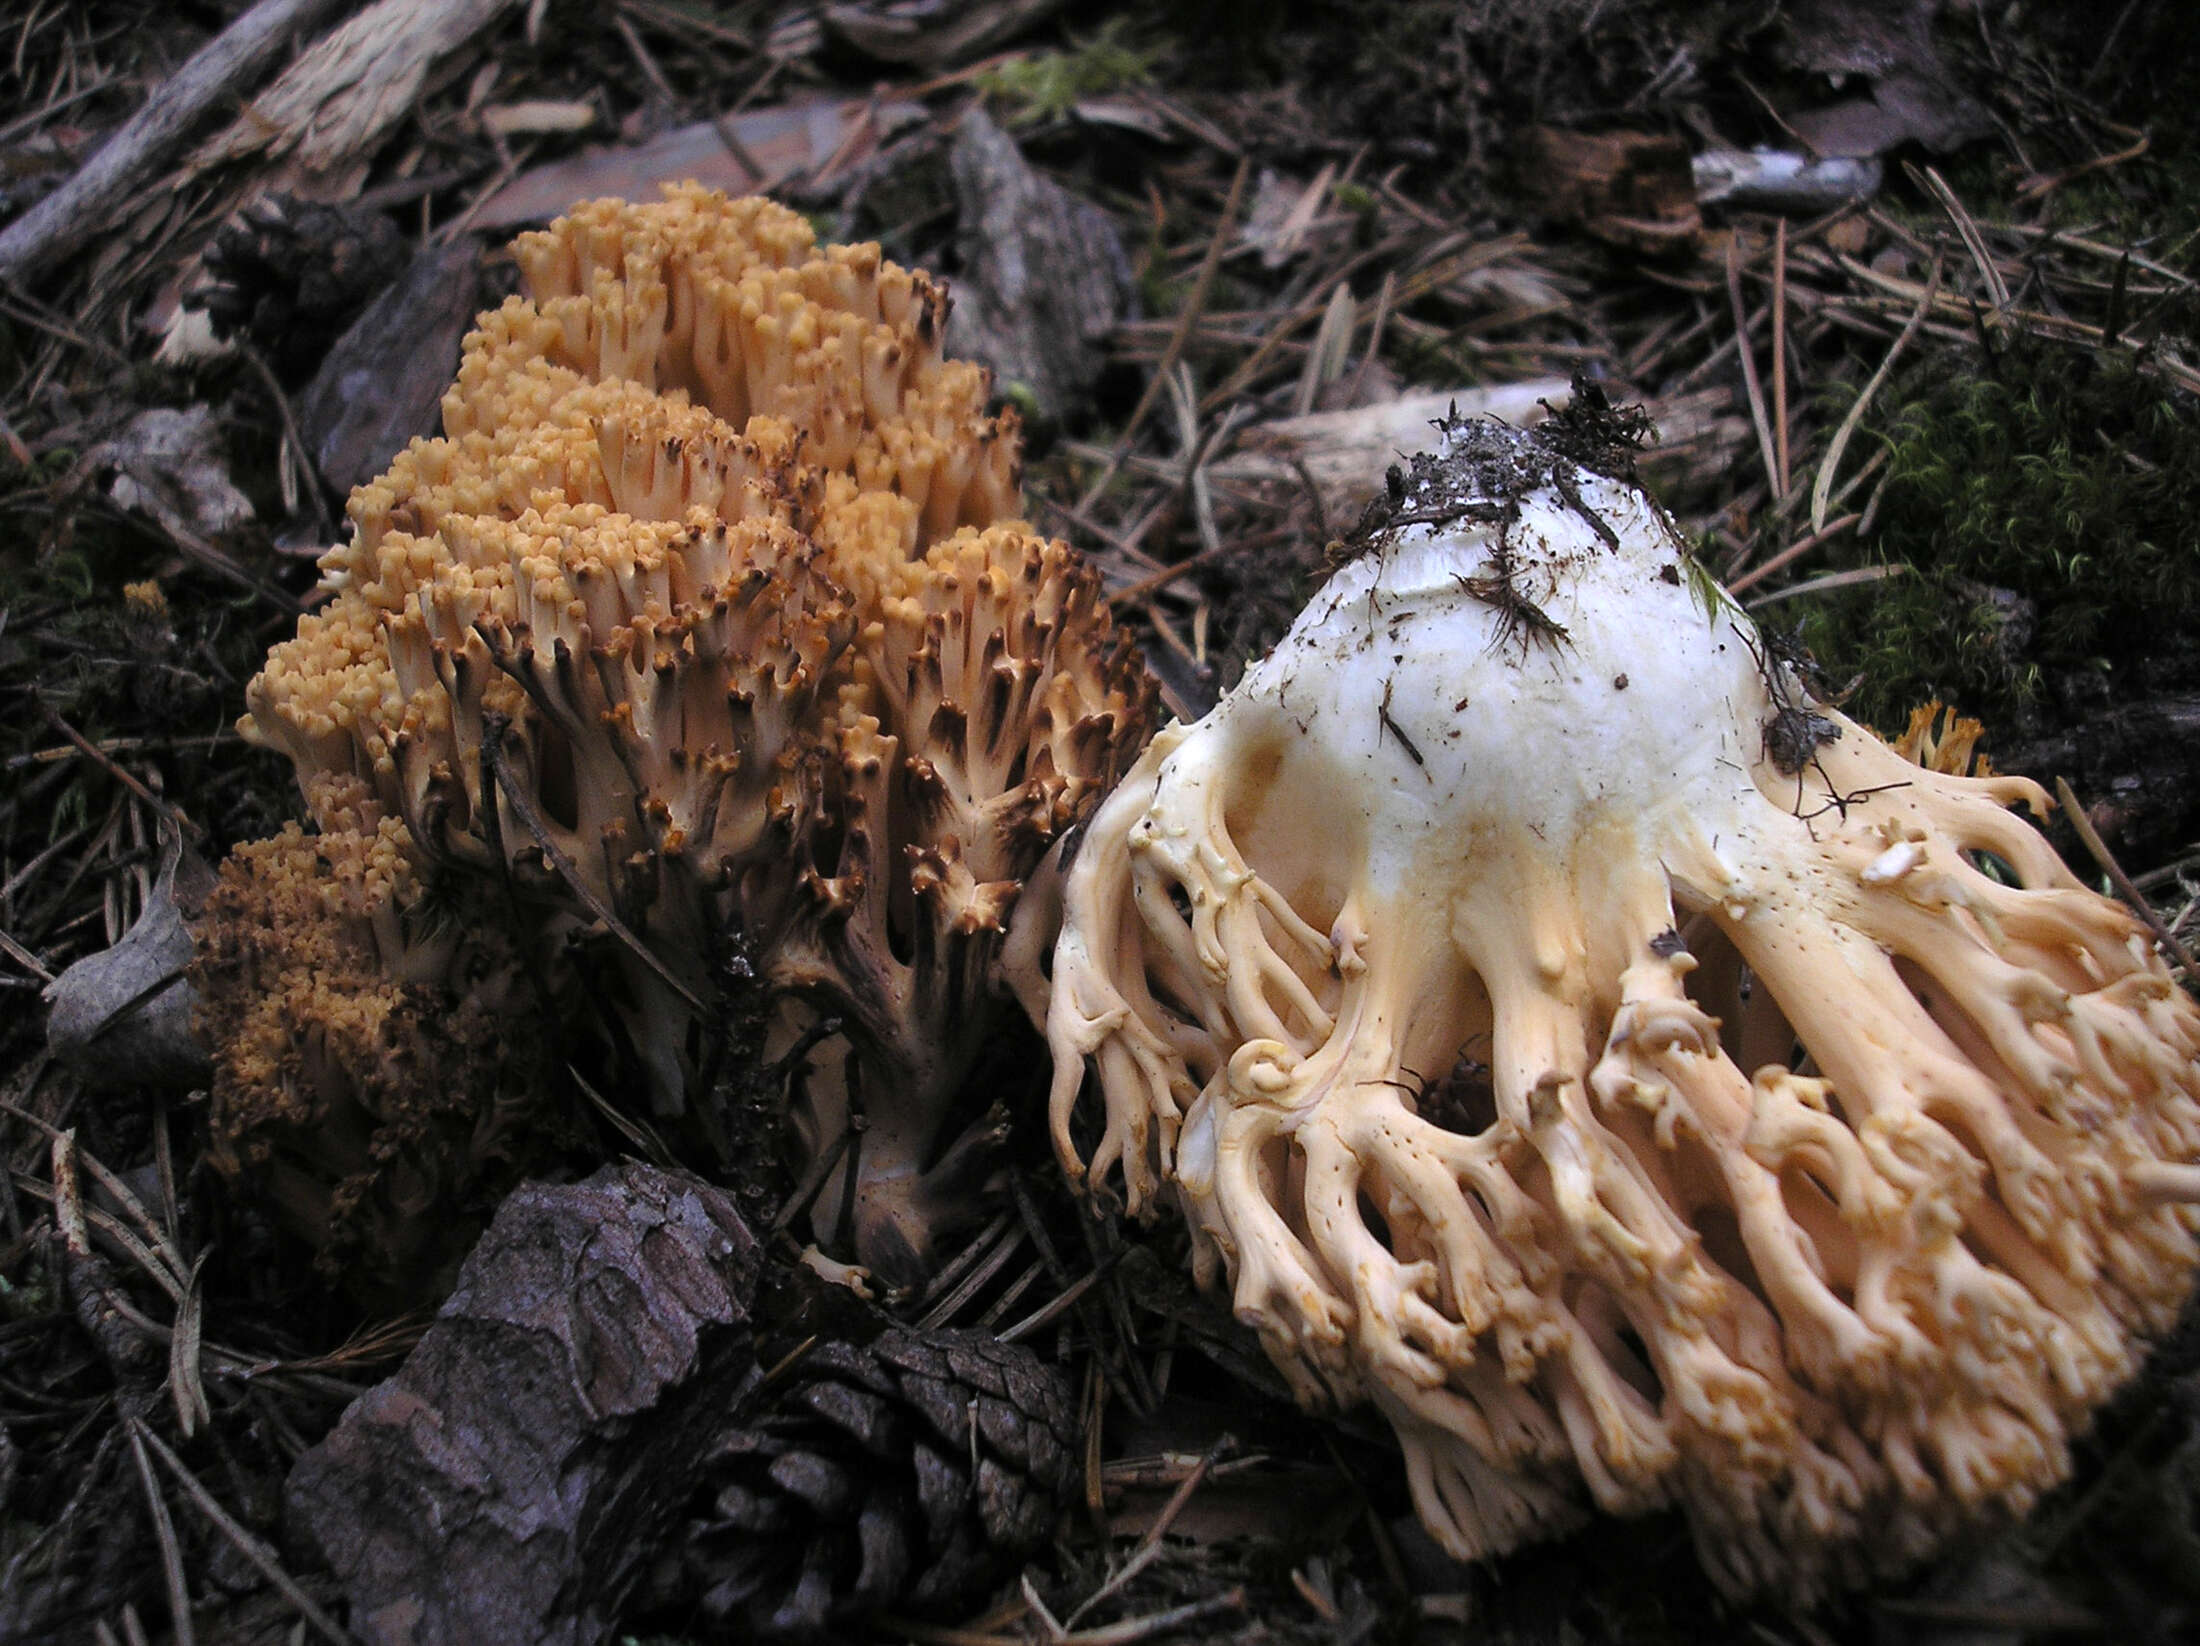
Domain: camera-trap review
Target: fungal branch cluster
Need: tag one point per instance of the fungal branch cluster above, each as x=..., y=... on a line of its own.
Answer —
x=709, y=624
x=1624, y=1076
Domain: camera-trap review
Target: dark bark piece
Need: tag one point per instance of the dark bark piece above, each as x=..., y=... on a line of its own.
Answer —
x=382, y=384
x=510, y=1482
x=2136, y=766
x=1044, y=279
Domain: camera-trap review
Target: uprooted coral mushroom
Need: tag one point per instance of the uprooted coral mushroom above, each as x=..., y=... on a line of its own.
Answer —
x=1634, y=1078
x=707, y=624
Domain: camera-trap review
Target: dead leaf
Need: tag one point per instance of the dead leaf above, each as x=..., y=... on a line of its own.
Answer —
x=122, y=1017
x=185, y=1385
x=1912, y=96
x=790, y=140
x=169, y=465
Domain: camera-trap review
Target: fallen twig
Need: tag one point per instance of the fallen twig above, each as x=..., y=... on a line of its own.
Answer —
x=1149, y=1545
x=107, y=763
x=1757, y=414
x=2098, y=848
x=1186, y=322
x=1792, y=553
x=1830, y=464
x=85, y=207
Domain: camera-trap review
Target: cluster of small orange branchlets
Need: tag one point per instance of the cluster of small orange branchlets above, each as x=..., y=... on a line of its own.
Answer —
x=374, y=1075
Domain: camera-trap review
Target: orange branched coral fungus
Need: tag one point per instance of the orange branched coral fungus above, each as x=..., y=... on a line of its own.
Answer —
x=708, y=623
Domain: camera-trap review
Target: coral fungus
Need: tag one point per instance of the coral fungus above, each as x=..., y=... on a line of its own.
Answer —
x=1634, y=1078
x=708, y=625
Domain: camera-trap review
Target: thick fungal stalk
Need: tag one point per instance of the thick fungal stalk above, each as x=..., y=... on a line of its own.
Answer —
x=1640, y=1082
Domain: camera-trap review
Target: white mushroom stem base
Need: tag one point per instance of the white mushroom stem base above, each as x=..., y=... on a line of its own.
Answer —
x=1824, y=1181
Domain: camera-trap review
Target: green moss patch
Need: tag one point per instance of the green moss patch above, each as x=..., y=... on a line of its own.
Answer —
x=2046, y=511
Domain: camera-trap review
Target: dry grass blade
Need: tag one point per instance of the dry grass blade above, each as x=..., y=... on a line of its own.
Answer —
x=186, y=1384
x=1962, y=329
x=975, y=1281
x=819, y=1174
x=1186, y=324
x=1039, y=1319
x=25, y=959
x=50, y=1542
x=164, y=1533
x=162, y=1262
x=1011, y=1295
x=1096, y=1407
x=1831, y=581
x=2038, y=188
x=1830, y=465
x=90, y=1220
x=380, y=1342
x=972, y=1272
x=960, y=1265
x=640, y=1135
x=258, y=1553
x=1765, y=448
x=1967, y=230
x=1325, y=361
x=1127, y=1633
x=1149, y=1546
x=1779, y=355
x=1154, y=1624
x=106, y=762
x=1050, y=1626
x=164, y=1165
x=936, y=1634
x=1789, y=555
